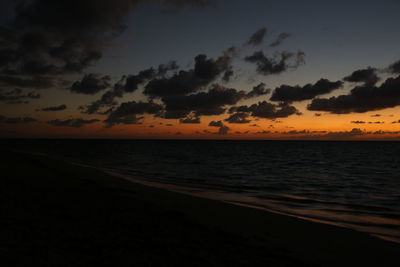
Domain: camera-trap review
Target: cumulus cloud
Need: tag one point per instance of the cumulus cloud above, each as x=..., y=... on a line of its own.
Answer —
x=361, y=99
x=257, y=37
x=91, y=84
x=54, y=108
x=127, y=84
x=239, y=117
x=205, y=71
x=367, y=76
x=76, y=123
x=222, y=128
x=212, y=102
x=258, y=90
x=309, y=91
x=280, y=62
x=267, y=110
x=127, y=113
x=215, y=123
x=343, y=134
x=190, y=120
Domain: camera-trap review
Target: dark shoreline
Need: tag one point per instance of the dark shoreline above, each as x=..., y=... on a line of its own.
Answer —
x=56, y=213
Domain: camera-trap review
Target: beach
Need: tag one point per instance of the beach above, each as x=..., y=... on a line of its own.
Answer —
x=55, y=213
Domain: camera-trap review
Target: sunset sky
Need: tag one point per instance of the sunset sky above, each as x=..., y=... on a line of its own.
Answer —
x=200, y=69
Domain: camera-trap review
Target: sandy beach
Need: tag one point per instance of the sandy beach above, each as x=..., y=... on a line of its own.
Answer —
x=54, y=213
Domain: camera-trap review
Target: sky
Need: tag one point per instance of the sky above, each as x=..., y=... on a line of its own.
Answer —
x=200, y=69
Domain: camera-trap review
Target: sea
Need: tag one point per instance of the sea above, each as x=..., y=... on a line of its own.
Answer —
x=352, y=184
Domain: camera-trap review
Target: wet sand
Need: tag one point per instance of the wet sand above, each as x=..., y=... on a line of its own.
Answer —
x=54, y=213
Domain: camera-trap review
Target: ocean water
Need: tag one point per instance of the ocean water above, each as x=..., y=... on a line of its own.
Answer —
x=350, y=184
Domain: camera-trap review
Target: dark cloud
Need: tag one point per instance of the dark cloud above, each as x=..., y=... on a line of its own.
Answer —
x=129, y=119
x=344, y=134
x=317, y=114
x=205, y=71
x=376, y=115
x=280, y=62
x=288, y=93
x=358, y=122
x=132, y=82
x=127, y=112
x=281, y=37
x=91, y=84
x=215, y=124
x=380, y=132
x=47, y=37
x=376, y=122
x=361, y=99
x=395, y=67
x=54, y=108
x=190, y=120
x=258, y=91
x=36, y=82
x=398, y=121
x=16, y=120
x=223, y=129
x=294, y=132
x=367, y=76
x=17, y=96
x=239, y=117
x=212, y=102
x=263, y=132
x=257, y=37
x=126, y=84
x=76, y=123
x=267, y=110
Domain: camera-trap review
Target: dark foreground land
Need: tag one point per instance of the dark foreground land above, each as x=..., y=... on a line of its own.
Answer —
x=58, y=214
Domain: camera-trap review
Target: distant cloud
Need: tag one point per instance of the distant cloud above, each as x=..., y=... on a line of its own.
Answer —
x=17, y=96
x=267, y=110
x=16, y=120
x=281, y=37
x=358, y=122
x=54, y=108
x=190, y=120
x=395, y=67
x=76, y=123
x=288, y=93
x=222, y=129
x=91, y=84
x=239, y=117
x=215, y=123
x=127, y=112
x=277, y=64
x=367, y=76
x=343, y=134
x=257, y=37
x=258, y=90
x=127, y=84
x=35, y=82
x=361, y=99
x=208, y=103
x=205, y=71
